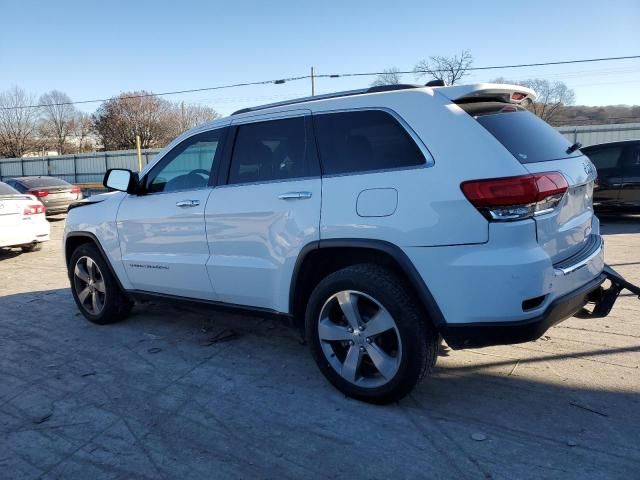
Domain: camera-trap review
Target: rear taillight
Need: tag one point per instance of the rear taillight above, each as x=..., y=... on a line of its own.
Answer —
x=516, y=198
x=76, y=190
x=39, y=193
x=34, y=209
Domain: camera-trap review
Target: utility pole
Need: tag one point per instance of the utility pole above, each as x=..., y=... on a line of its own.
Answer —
x=182, y=116
x=139, y=153
x=313, y=83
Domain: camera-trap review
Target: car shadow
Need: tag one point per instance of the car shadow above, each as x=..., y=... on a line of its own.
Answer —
x=8, y=252
x=184, y=378
x=615, y=224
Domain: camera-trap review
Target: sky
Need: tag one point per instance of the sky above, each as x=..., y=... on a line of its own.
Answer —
x=97, y=49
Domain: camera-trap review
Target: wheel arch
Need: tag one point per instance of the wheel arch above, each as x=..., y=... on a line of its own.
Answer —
x=320, y=258
x=74, y=240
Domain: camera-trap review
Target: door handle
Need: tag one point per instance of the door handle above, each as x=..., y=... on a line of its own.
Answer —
x=294, y=195
x=188, y=203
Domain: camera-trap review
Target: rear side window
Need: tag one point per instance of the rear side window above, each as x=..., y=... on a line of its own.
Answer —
x=605, y=158
x=527, y=137
x=7, y=190
x=362, y=141
x=270, y=150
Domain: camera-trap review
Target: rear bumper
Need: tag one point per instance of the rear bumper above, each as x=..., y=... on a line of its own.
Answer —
x=474, y=335
x=30, y=232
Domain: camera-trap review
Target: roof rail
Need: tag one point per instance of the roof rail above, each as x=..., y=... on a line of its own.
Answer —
x=347, y=93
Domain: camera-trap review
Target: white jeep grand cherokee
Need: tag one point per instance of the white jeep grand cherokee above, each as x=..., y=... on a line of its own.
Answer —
x=380, y=220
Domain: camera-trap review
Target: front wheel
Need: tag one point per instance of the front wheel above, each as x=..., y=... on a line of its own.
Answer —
x=94, y=288
x=368, y=334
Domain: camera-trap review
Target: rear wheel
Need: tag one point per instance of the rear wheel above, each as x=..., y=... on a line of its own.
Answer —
x=368, y=334
x=94, y=288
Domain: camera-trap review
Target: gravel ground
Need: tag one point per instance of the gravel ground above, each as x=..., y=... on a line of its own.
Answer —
x=157, y=397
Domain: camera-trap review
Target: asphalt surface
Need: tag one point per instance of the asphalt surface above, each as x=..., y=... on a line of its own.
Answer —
x=186, y=392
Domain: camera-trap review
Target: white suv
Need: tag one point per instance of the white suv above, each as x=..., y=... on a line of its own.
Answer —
x=379, y=220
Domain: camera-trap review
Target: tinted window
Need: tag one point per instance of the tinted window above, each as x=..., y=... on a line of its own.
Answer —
x=7, y=190
x=188, y=165
x=526, y=136
x=38, y=182
x=364, y=141
x=604, y=158
x=631, y=162
x=271, y=150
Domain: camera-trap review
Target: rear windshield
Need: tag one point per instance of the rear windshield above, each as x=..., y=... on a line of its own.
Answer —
x=7, y=190
x=526, y=136
x=39, y=182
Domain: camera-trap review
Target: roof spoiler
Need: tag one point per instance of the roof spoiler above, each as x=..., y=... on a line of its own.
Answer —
x=504, y=92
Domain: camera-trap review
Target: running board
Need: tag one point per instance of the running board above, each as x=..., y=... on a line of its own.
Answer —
x=604, y=298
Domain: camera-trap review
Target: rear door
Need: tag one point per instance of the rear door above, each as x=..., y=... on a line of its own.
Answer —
x=607, y=160
x=540, y=148
x=630, y=190
x=267, y=211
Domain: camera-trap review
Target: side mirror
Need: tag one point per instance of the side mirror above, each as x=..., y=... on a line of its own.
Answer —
x=121, y=180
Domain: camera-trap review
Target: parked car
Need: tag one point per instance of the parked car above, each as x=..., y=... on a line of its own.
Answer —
x=55, y=193
x=377, y=220
x=22, y=220
x=618, y=165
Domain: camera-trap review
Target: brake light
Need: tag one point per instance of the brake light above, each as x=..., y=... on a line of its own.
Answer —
x=517, y=96
x=76, y=190
x=34, y=209
x=39, y=193
x=516, y=198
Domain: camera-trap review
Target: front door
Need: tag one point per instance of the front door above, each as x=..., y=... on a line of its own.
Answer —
x=630, y=191
x=266, y=213
x=607, y=161
x=162, y=231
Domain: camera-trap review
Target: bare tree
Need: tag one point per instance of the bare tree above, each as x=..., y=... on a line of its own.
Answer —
x=83, y=128
x=118, y=120
x=447, y=69
x=184, y=116
x=389, y=76
x=58, y=117
x=18, y=119
x=552, y=97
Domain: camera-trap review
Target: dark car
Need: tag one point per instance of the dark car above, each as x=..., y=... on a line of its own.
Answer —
x=55, y=193
x=618, y=165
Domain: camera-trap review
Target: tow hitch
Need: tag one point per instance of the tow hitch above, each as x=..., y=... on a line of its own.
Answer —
x=604, y=298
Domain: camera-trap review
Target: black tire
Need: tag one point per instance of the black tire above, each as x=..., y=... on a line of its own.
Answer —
x=32, y=247
x=419, y=339
x=116, y=305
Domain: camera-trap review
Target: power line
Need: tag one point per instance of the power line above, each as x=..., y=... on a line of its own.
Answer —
x=327, y=75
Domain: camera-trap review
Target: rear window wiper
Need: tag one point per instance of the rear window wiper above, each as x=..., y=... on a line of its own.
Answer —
x=574, y=147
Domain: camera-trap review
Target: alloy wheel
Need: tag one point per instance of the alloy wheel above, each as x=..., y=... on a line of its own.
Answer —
x=89, y=285
x=360, y=339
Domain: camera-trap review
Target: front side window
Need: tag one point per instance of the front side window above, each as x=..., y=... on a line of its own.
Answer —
x=631, y=162
x=270, y=150
x=362, y=141
x=188, y=166
x=605, y=158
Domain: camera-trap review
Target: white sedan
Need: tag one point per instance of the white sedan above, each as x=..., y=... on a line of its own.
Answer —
x=22, y=220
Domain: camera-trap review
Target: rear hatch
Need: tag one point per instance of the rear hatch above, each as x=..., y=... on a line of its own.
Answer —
x=565, y=229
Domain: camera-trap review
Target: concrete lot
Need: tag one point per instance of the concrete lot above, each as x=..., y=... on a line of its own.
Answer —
x=155, y=397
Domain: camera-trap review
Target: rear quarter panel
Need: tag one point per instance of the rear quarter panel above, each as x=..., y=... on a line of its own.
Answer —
x=431, y=209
